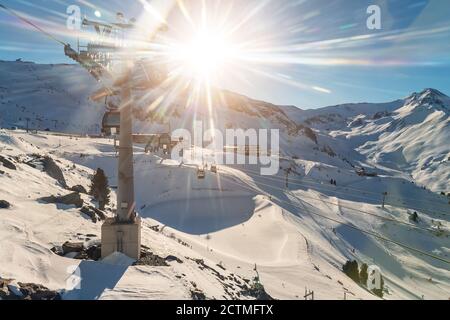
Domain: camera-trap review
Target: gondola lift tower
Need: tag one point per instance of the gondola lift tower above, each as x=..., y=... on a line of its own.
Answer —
x=110, y=62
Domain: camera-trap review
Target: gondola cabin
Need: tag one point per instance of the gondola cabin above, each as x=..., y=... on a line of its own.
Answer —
x=201, y=173
x=111, y=123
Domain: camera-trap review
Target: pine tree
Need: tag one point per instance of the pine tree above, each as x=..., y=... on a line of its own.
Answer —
x=363, y=274
x=100, y=189
x=415, y=217
x=351, y=269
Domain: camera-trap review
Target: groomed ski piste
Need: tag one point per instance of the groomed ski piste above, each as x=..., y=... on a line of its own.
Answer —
x=223, y=230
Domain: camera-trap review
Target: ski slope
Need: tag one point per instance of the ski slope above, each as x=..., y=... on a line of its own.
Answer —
x=297, y=237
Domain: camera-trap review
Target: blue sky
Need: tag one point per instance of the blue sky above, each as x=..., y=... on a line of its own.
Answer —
x=299, y=65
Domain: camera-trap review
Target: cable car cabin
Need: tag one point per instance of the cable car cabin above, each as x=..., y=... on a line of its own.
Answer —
x=158, y=142
x=111, y=123
x=201, y=173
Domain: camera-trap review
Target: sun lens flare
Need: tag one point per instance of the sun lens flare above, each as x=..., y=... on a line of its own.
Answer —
x=204, y=55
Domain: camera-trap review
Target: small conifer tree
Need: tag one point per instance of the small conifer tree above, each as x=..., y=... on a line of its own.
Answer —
x=100, y=189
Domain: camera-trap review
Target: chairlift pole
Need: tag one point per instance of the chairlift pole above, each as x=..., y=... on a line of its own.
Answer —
x=384, y=199
x=288, y=171
x=123, y=233
x=125, y=174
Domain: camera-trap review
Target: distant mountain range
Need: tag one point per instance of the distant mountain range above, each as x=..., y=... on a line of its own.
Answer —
x=410, y=135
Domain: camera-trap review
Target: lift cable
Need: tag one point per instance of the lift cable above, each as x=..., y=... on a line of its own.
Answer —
x=312, y=181
x=359, y=229
x=32, y=24
x=309, y=182
x=357, y=210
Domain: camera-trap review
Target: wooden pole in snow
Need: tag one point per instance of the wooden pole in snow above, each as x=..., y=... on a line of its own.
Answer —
x=384, y=199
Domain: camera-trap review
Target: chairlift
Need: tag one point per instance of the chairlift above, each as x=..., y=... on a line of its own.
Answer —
x=201, y=173
x=111, y=123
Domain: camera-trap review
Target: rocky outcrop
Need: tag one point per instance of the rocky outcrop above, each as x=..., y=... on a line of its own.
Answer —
x=78, y=251
x=32, y=291
x=148, y=258
x=4, y=204
x=7, y=163
x=79, y=189
x=25, y=291
x=257, y=291
x=94, y=252
x=69, y=247
x=70, y=199
x=93, y=213
x=54, y=171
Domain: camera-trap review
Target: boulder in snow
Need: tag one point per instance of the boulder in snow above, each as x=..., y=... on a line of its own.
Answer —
x=90, y=213
x=4, y=204
x=7, y=163
x=32, y=291
x=93, y=213
x=148, y=258
x=70, y=247
x=54, y=171
x=70, y=199
x=79, y=189
x=25, y=291
x=94, y=252
x=58, y=250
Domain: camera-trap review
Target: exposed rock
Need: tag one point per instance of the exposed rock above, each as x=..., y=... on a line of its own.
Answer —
x=4, y=204
x=70, y=199
x=308, y=132
x=327, y=149
x=33, y=291
x=94, y=252
x=155, y=228
x=90, y=213
x=197, y=294
x=78, y=251
x=54, y=171
x=58, y=250
x=148, y=258
x=100, y=214
x=171, y=258
x=7, y=163
x=258, y=292
x=69, y=247
x=79, y=189
x=380, y=115
x=94, y=213
x=5, y=293
x=26, y=291
x=221, y=266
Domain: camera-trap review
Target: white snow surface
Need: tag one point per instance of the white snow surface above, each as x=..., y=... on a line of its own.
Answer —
x=236, y=219
x=298, y=237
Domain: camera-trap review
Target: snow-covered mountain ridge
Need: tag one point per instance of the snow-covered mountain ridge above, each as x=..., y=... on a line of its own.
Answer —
x=298, y=232
x=408, y=134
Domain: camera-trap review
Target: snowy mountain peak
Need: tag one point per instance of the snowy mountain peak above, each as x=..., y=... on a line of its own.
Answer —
x=431, y=91
x=430, y=97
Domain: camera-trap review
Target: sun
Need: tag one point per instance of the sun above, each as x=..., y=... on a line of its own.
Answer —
x=204, y=55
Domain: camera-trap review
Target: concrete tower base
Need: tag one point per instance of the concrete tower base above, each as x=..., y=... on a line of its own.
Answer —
x=121, y=237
